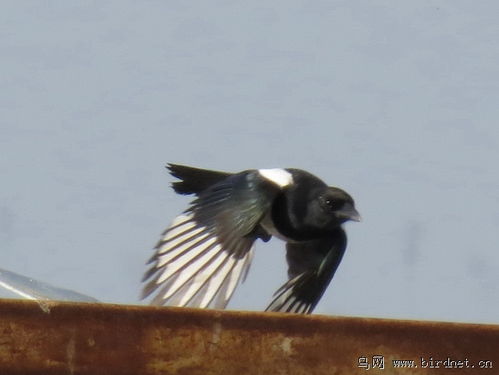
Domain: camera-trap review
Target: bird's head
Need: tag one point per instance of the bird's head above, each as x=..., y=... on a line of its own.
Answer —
x=338, y=206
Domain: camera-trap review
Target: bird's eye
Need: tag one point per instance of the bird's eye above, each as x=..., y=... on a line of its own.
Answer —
x=334, y=204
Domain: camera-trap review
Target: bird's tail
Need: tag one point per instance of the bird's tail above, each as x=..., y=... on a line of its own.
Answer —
x=194, y=180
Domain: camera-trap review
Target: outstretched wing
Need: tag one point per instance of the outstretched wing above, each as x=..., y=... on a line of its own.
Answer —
x=312, y=265
x=207, y=250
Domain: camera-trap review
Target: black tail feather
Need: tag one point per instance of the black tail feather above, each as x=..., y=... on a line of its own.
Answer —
x=194, y=180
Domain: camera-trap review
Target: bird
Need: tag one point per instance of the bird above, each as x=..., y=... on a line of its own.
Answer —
x=207, y=250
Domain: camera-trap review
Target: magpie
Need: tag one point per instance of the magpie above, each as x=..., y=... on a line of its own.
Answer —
x=207, y=250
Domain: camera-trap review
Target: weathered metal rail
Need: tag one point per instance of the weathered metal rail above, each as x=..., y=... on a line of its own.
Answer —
x=80, y=338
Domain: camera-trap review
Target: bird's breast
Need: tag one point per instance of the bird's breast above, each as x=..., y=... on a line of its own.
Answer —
x=268, y=224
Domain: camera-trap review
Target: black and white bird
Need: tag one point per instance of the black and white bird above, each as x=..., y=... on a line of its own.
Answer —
x=207, y=250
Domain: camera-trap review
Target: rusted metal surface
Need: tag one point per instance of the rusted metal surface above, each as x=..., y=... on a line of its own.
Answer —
x=79, y=338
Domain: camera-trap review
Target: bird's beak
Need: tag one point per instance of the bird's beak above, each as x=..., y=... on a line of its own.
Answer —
x=350, y=213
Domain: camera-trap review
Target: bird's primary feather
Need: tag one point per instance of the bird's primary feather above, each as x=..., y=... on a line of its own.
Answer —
x=207, y=250
x=312, y=265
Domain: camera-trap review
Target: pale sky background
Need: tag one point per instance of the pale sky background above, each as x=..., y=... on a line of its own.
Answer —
x=395, y=101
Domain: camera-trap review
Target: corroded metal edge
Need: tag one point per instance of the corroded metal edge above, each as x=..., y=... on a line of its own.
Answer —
x=87, y=338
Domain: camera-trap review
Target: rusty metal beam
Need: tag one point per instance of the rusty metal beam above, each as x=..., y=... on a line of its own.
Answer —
x=80, y=338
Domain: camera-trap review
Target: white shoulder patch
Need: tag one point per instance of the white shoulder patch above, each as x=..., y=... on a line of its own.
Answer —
x=278, y=176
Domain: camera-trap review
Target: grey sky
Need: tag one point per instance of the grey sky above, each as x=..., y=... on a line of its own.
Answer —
x=396, y=102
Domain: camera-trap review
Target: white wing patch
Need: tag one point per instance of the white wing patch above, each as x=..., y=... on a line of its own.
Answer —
x=193, y=269
x=278, y=176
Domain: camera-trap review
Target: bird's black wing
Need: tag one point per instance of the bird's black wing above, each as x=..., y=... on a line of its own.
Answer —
x=203, y=255
x=312, y=265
